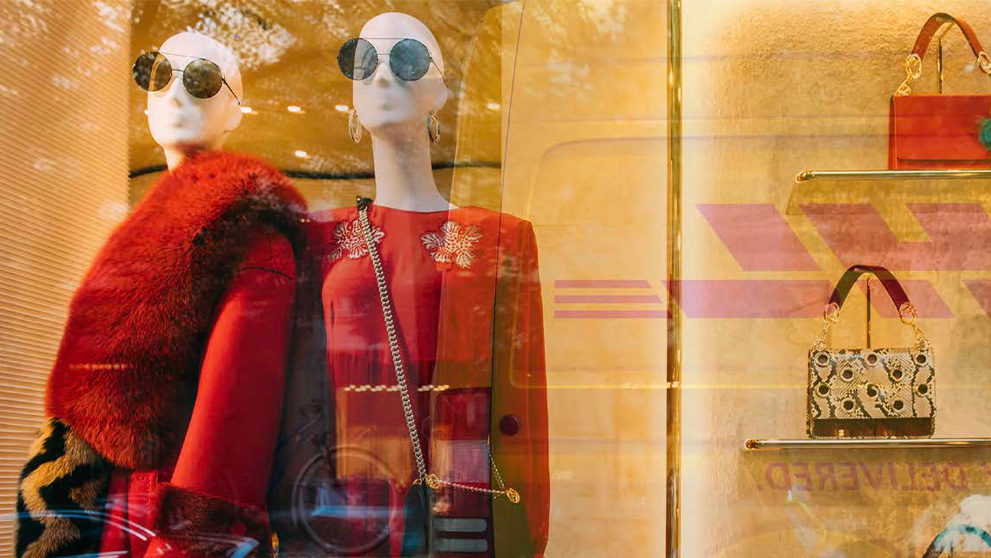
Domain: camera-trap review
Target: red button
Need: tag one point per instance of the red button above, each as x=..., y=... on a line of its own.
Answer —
x=509, y=425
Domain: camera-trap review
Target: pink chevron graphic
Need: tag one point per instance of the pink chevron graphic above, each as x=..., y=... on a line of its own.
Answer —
x=981, y=289
x=758, y=237
x=925, y=298
x=959, y=236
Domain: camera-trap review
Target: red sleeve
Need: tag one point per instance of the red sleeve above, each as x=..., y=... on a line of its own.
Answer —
x=519, y=383
x=221, y=476
x=534, y=370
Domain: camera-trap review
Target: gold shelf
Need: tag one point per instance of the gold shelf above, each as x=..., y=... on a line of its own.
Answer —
x=805, y=444
x=889, y=188
x=808, y=175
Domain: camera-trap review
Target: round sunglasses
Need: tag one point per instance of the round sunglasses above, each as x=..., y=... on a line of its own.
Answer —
x=202, y=78
x=409, y=59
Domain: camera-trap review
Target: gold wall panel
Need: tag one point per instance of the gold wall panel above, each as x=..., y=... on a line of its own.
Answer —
x=772, y=88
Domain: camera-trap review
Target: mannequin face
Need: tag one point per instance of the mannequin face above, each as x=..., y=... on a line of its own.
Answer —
x=383, y=101
x=179, y=121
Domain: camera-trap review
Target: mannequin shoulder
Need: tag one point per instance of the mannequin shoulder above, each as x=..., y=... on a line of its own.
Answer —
x=319, y=225
x=325, y=217
x=224, y=177
x=507, y=225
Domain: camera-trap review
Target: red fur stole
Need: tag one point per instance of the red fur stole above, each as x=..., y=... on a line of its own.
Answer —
x=128, y=364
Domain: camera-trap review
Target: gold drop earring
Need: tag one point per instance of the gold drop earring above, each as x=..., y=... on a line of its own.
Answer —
x=433, y=128
x=354, y=126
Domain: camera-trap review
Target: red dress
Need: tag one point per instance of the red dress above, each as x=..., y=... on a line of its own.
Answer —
x=455, y=277
x=230, y=438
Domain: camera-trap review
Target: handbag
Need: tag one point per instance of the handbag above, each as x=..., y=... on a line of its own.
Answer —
x=511, y=538
x=939, y=131
x=871, y=393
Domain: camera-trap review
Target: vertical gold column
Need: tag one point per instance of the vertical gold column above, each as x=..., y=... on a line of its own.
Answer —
x=672, y=540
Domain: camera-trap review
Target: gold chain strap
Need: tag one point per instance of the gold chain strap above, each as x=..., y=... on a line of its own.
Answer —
x=908, y=316
x=984, y=62
x=913, y=69
x=432, y=480
x=906, y=312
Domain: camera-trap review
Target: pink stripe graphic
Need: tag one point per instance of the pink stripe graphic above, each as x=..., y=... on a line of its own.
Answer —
x=758, y=237
x=601, y=284
x=611, y=314
x=754, y=298
x=607, y=299
x=766, y=298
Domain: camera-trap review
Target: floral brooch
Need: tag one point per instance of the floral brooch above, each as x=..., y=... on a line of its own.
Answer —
x=452, y=243
x=348, y=239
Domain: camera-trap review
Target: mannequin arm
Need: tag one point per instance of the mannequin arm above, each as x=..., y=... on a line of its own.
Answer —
x=216, y=495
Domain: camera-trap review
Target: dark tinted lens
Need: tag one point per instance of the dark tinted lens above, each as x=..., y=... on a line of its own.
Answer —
x=202, y=78
x=357, y=59
x=409, y=59
x=152, y=71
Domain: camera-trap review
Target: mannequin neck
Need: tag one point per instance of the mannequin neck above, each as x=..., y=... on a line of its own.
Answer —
x=404, y=177
x=176, y=154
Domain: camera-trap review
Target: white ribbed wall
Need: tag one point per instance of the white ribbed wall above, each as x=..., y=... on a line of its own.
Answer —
x=63, y=185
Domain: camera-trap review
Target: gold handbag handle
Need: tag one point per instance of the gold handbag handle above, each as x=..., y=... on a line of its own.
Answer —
x=913, y=63
x=906, y=310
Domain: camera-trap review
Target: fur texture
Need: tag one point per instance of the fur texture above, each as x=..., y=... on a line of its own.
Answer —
x=126, y=372
x=209, y=526
x=60, y=496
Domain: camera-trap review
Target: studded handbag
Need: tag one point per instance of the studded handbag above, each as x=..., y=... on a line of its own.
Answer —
x=871, y=393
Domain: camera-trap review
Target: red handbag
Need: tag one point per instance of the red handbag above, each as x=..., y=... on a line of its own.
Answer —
x=939, y=131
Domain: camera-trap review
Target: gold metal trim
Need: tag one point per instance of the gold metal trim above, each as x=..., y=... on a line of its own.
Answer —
x=939, y=66
x=809, y=175
x=672, y=532
x=920, y=443
x=868, y=309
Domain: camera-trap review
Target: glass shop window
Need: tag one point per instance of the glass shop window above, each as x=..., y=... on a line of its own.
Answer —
x=324, y=278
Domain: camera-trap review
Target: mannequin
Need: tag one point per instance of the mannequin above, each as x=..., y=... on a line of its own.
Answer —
x=393, y=112
x=167, y=389
x=466, y=298
x=182, y=124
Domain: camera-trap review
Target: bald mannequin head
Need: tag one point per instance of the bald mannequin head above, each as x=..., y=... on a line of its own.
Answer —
x=183, y=124
x=383, y=101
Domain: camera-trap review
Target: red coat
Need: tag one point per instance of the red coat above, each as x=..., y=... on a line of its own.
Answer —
x=466, y=296
x=230, y=436
x=171, y=369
